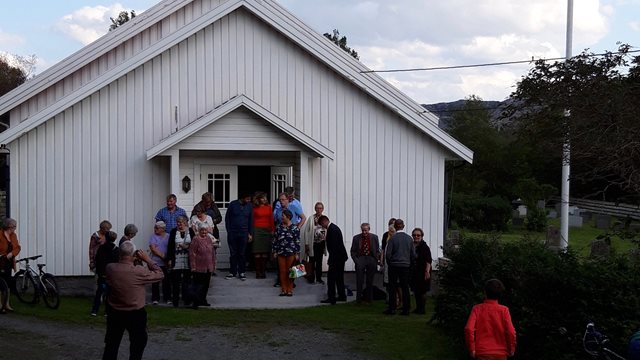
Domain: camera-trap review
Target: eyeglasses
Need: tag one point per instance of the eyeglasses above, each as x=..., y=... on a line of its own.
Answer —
x=416, y=235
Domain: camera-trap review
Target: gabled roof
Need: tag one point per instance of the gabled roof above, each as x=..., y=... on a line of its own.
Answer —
x=268, y=11
x=226, y=108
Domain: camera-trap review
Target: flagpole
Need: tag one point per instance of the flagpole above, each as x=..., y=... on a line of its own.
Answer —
x=566, y=149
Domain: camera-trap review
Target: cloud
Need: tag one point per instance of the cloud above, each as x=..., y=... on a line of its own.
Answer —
x=10, y=40
x=418, y=33
x=89, y=23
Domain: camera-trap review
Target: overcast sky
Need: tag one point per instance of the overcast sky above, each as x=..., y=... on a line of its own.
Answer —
x=386, y=34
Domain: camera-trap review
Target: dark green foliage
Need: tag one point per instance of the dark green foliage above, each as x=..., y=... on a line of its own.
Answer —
x=122, y=18
x=536, y=219
x=342, y=42
x=551, y=296
x=479, y=212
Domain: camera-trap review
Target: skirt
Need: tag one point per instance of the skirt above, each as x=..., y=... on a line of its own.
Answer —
x=261, y=241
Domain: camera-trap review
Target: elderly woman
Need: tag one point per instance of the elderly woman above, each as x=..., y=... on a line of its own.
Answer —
x=286, y=248
x=107, y=253
x=9, y=250
x=200, y=216
x=201, y=263
x=421, y=271
x=130, y=231
x=263, y=229
x=97, y=238
x=178, y=259
x=313, y=237
x=158, y=244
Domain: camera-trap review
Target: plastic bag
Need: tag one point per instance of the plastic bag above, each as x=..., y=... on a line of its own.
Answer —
x=297, y=271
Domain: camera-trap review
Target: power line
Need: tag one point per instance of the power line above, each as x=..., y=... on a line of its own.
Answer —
x=487, y=64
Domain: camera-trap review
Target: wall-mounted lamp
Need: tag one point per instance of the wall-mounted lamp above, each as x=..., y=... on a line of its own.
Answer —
x=186, y=184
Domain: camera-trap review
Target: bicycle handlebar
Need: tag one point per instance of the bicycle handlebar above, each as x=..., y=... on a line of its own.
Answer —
x=29, y=258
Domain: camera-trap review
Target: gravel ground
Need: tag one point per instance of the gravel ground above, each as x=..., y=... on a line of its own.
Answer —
x=30, y=338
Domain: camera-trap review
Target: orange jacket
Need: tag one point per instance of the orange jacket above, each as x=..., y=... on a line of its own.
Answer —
x=489, y=330
x=4, y=246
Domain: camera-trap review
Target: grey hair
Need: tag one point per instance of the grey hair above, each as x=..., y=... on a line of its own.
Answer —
x=202, y=226
x=183, y=219
x=8, y=222
x=127, y=248
x=130, y=230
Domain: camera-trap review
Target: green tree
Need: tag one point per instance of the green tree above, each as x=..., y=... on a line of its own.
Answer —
x=601, y=94
x=15, y=70
x=342, y=42
x=122, y=18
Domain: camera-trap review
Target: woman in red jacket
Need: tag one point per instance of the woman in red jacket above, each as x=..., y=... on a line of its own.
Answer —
x=9, y=250
x=263, y=229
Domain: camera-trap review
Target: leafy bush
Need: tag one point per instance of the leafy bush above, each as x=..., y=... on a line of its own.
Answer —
x=480, y=213
x=536, y=219
x=551, y=296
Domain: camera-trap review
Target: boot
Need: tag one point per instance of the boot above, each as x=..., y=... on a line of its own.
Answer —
x=421, y=300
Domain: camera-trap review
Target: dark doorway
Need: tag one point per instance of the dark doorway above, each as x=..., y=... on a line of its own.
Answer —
x=254, y=178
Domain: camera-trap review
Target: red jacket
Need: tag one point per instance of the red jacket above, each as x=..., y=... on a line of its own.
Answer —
x=489, y=330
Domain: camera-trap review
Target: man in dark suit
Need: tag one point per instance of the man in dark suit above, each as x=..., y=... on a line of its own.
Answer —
x=365, y=252
x=400, y=256
x=337, y=257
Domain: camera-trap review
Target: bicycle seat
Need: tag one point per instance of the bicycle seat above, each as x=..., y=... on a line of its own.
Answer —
x=40, y=266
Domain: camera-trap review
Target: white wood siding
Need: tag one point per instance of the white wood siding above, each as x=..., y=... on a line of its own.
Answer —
x=240, y=130
x=89, y=163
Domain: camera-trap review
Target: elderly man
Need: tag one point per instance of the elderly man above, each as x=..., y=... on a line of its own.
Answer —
x=126, y=299
x=400, y=255
x=365, y=252
x=170, y=213
x=337, y=257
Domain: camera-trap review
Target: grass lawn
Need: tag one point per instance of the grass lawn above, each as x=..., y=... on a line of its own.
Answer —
x=364, y=328
x=579, y=238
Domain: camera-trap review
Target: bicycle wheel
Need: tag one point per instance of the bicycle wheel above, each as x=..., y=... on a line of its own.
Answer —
x=26, y=288
x=51, y=294
x=4, y=294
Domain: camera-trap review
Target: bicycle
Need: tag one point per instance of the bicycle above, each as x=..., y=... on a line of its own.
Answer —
x=4, y=294
x=31, y=285
x=596, y=344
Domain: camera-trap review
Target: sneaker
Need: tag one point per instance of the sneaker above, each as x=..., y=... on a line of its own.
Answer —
x=230, y=276
x=94, y=314
x=155, y=302
x=243, y=277
x=169, y=302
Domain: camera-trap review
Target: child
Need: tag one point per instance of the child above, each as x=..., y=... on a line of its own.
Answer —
x=489, y=333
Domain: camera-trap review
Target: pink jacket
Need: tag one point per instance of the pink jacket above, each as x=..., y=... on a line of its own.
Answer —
x=201, y=254
x=489, y=330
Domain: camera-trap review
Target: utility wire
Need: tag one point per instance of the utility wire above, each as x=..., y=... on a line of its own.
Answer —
x=487, y=64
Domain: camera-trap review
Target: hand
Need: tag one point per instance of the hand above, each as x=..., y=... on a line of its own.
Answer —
x=250, y=238
x=10, y=256
x=275, y=256
x=297, y=257
x=427, y=276
x=142, y=256
x=473, y=354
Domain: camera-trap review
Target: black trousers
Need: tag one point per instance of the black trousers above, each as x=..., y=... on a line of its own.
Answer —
x=399, y=276
x=180, y=282
x=166, y=287
x=365, y=269
x=318, y=255
x=335, y=279
x=201, y=282
x=135, y=323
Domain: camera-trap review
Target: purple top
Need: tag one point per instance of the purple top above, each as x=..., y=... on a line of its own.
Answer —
x=162, y=243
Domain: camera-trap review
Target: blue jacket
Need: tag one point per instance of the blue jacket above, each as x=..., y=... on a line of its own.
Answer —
x=239, y=218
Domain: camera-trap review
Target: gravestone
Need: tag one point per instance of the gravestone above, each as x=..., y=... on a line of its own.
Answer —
x=575, y=221
x=541, y=204
x=553, y=239
x=522, y=210
x=600, y=249
x=586, y=216
x=452, y=243
x=552, y=214
x=603, y=221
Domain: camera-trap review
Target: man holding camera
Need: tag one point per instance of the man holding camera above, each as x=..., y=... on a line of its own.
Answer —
x=127, y=296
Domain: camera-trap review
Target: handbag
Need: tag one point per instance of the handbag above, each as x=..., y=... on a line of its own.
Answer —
x=297, y=271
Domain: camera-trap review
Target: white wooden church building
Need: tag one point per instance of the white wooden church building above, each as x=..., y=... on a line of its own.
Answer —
x=234, y=95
